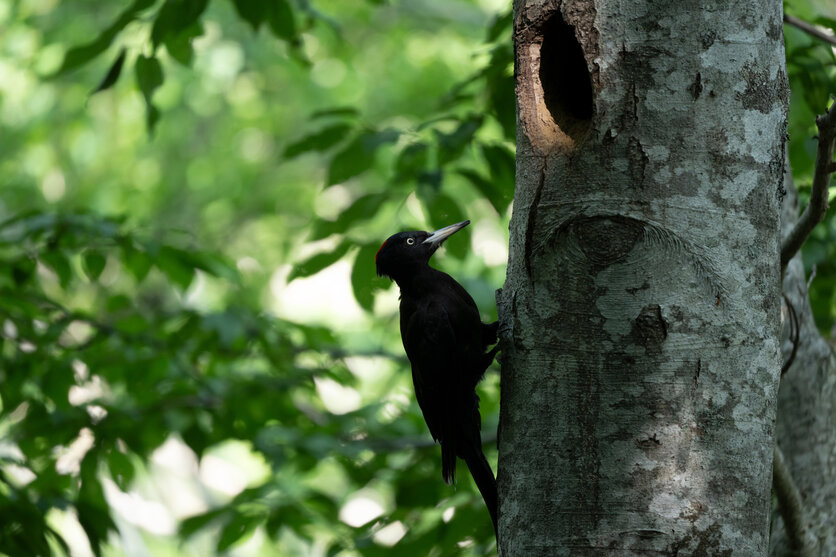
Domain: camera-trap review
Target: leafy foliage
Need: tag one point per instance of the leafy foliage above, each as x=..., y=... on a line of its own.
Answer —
x=811, y=65
x=158, y=326
x=205, y=377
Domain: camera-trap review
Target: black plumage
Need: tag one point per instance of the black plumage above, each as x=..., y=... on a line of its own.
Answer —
x=446, y=343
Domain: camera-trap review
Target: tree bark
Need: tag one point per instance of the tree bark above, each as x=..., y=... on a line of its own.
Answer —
x=806, y=430
x=640, y=314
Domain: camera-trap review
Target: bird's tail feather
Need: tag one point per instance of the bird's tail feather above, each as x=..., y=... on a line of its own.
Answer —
x=448, y=462
x=483, y=476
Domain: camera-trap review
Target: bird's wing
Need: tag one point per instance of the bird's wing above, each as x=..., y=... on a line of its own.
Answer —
x=440, y=362
x=437, y=361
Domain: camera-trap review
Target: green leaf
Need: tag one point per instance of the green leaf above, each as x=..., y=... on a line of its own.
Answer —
x=149, y=76
x=316, y=263
x=58, y=262
x=350, y=162
x=138, y=262
x=121, y=468
x=502, y=165
x=253, y=12
x=443, y=211
x=412, y=160
x=179, y=45
x=451, y=145
x=93, y=263
x=317, y=336
x=172, y=263
x=57, y=382
x=80, y=55
x=132, y=324
x=23, y=269
x=486, y=187
x=118, y=302
x=502, y=23
x=358, y=156
x=499, y=78
x=364, y=279
x=191, y=525
x=281, y=21
x=212, y=264
x=240, y=526
x=377, y=139
x=501, y=162
x=318, y=141
x=430, y=180
x=112, y=74
x=363, y=208
x=96, y=522
x=175, y=17
x=338, y=111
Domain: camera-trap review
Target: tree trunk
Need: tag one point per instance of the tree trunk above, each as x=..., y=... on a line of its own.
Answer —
x=640, y=314
x=806, y=430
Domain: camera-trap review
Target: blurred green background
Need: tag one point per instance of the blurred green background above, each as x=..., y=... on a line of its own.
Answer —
x=196, y=356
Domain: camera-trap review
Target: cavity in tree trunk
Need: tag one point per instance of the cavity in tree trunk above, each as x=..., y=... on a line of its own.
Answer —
x=640, y=314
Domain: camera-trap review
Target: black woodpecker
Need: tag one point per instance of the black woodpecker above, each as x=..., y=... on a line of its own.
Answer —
x=446, y=343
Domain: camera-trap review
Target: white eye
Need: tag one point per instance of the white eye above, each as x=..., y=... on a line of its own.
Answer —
x=410, y=241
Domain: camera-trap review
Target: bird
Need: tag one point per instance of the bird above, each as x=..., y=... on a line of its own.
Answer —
x=446, y=343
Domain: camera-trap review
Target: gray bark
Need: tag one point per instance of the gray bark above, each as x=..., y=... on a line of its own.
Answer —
x=806, y=428
x=640, y=314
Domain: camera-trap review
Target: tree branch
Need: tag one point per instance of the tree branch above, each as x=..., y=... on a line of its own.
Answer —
x=809, y=29
x=817, y=207
x=803, y=543
x=795, y=334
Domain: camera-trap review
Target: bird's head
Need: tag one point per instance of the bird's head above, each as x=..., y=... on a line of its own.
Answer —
x=404, y=252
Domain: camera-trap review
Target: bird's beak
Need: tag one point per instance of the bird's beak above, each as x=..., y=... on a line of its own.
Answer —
x=437, y=237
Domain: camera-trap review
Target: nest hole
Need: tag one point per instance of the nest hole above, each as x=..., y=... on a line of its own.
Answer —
x=564, y=76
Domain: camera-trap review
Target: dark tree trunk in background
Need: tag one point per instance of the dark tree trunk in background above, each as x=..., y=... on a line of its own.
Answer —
x=806, y=428
x=640, y=314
